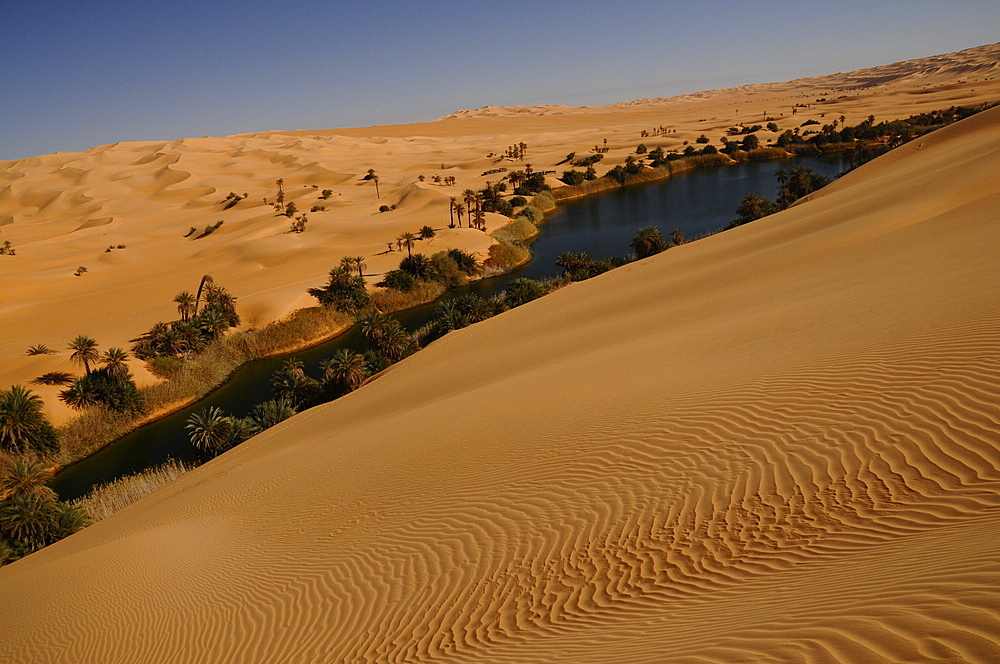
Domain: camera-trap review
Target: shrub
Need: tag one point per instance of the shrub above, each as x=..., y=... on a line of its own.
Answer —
x=504, y=256
x=648, y=241
x=572, y=177
x=383, y=208
x=465, y=261
x=419, y=266
x=318, y=208
x=641, y=149
x=446, y=270
x=426, y=233
x=398, y=280
x=327, y=193
x=521, y=291
x=701, y=139
x=519, y=201
x=344, y=291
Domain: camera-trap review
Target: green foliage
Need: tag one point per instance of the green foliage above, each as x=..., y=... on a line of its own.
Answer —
x=583, y=162
x=751, y=142
x=578, y=266
x=465, y=261
x=518, y=201
x=213, y=432
x=398, y=280
x=701, y=139
x=291, y=384
x=446, y=270
x=383, y=208
x=771, y=126
x=327, y=193
x=648, y=241
x=641, y=149
x=211, y=228
x=572, y=177
x=426, y=233
x=23, y=427
x=344, y=291
x=291, y=209
x=39, y=349
x=116, y=392
x=418, y=266
x=267, y=414
x=522, y=291
x=344, y=371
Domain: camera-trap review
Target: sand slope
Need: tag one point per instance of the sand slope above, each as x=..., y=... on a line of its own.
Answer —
x=778, y=444
x=63, y=211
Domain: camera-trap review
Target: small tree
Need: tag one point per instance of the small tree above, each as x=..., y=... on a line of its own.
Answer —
x=648, y=241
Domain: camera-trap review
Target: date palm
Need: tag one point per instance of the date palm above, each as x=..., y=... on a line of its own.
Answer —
x=116, y=362
x=269, y=413
x=210, y=430
x=361, y=265
x=408, y=240
x=469, y=196
x=185, y=304
x=23, y=427
x=26, y=477
x=345, y=368
x=84, y=351
x=29, y=518
x=459, y=209
x=451, y=212
x=374, y=326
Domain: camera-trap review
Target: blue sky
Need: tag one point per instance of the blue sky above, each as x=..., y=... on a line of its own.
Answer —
x=79, y=74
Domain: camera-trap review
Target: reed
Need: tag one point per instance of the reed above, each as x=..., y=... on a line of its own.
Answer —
x=107, y=499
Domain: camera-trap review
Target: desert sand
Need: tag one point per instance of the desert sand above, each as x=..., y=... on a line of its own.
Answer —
x=62, y=211
x=776, y=444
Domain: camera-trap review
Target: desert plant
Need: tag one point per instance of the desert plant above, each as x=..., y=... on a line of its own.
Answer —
x=54, y=378
x=84, y=351
x=426, y=233
x=39, y=349
x=648, y=241
x=212, y=431
x=344, y=370
x=80, y=270
x=269, y=413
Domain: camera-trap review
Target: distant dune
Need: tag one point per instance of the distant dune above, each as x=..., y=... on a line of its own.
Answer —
x=776, y=444
x=62, y=211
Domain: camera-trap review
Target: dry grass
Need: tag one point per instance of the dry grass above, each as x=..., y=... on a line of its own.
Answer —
x=105, y=500
x=388, y=300
x=515, y=231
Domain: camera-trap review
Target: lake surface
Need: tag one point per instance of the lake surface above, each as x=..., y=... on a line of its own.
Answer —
x=697, y=202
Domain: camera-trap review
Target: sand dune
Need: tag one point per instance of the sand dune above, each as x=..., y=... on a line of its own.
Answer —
x=777, y=444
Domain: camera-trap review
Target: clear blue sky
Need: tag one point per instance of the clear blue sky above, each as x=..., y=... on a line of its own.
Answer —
x=81, y=73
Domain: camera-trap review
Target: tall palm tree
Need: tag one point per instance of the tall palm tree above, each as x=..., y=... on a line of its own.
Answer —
x=347, y=264
x=451, y=212
x=23, y=427
x=116, y=362
x=408, y=239
x=26, y=477
x=345, y=368
x=515, y=178
x=359, y=262
x=469, y=196
x=84, y=351
x=396, y=343
x=459, y=209
x=185, y=304
x=206, y=281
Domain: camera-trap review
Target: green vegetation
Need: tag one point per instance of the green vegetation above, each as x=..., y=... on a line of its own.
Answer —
x=39, y=349
x=231, y=200
x=793, y=184
x=211, y=228
x=343, y=291
x=23, y=427
x=196, y=328
x=648, y=242
x=30, y=515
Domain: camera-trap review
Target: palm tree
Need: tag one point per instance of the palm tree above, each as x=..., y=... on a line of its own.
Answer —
x=205, y=281
x=23, y=427
x=469, y=196
x=374, y=326
x=451, y=212
x=347, y=264
x=396, y=343
x=185, y=304
x=214, y=322
x=459, y=209
x=752, y=207
x=648, y=241
x=677, y=236
x=80, y=394
x=84, y=351
x=515, y=178
x=345, y=368
x=26, y=478
x=291, y=384
x=116, y=362
x=408, y=239
x=211, y=430
x=359, y=262
x=265, y=415
x=29, y=518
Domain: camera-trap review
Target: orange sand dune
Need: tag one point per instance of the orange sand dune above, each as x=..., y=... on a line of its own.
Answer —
x=63, y=211
x=777, y=444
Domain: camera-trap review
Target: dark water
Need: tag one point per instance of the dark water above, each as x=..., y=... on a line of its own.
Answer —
x=697, y=202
